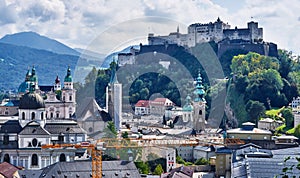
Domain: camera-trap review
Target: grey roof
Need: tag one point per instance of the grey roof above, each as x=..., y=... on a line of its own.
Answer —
x=258, y=167
x=254, y=152
x=83, y=169
x=34, y=128
x=89, y=104
x=63, y=127
x=30, y=173
x=31, y=101
x=10, y=126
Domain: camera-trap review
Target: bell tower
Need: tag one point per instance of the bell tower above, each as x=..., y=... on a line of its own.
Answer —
x=199, y=104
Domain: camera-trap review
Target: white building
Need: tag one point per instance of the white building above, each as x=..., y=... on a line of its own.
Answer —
x=21, y=138
x=269, y=124
x=142, y=107
x=213, y=31
x=60, y=101
x=159, y=105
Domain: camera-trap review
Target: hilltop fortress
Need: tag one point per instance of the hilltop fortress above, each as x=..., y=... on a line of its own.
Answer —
x=247, y=39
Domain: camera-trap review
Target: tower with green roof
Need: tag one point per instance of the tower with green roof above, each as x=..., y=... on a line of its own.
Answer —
x=68, y=95
x=199, y=104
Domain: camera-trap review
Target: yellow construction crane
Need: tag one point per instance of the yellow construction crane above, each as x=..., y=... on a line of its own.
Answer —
x=96, y=149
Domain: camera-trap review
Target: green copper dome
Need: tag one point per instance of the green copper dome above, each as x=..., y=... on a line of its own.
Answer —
x=24, y=87
x=188, y=106
x=68, y=77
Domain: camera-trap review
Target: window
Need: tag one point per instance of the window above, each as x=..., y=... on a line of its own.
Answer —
x=23, y=115
x=70, y=98
x=42, y=116
x=62, y=158
x=57, y=115
x=32, y=115
x=200, y=112
x=6, y=158
x=34, y=142
x=34, y=160
x=5, y=139
x=51, y=115
x=61, y=138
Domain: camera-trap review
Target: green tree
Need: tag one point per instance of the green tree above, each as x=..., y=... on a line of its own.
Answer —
x=201, y=161
x=110, y=131
x=179, y=160
x=158, y=170
x=297, y=131
x=125, y=134
x=255, y=110
x=142, y=167
x=287, y=114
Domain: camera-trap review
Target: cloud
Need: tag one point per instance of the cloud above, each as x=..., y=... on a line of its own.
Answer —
x=78, y=23
x=7, y=14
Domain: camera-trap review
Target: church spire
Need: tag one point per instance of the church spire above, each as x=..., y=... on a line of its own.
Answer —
x=113, y=77
x=199, y=89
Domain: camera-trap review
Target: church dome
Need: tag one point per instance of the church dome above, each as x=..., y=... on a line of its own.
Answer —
x=23, y=87
x=31, y=101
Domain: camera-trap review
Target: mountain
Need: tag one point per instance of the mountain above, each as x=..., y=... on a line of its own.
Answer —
x=15, y=60
x=34, y=40
x=91, y=55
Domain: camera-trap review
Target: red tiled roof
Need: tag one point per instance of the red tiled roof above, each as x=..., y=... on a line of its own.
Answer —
x=7, y=170
x=142, y=103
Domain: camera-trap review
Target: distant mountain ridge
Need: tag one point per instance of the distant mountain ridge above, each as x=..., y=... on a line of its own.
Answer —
x=34, y=40
x=15, y=61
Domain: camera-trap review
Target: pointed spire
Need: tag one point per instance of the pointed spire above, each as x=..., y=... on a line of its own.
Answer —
x=113, y=77
x=57, y=80
x=28, y=75
x=199, y=89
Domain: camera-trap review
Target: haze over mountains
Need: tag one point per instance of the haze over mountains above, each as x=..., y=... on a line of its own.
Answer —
x=22, y=50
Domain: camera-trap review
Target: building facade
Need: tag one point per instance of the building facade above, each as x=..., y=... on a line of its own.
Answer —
x=213, y=31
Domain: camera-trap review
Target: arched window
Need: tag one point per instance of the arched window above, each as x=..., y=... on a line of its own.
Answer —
x=62, y=158
x=23, y=115
x=42, y=116
x=6, y=158
x=51, y=115
x=32, y=115
x=200, y=112
x=70, y=98
x=34, y=160
x=57, y=115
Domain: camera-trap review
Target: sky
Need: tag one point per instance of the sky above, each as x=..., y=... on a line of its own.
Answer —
x=107, y=25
